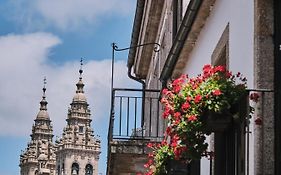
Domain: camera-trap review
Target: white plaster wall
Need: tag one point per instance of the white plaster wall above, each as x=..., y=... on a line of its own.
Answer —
x=240, y=16
x=184, y=6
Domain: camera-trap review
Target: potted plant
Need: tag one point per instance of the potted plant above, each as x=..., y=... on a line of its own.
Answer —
x=195, y=107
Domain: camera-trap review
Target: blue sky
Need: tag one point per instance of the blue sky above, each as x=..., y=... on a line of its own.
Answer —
x=48, y=38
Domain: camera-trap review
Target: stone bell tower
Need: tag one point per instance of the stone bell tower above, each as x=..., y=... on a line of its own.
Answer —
x=39, y=157
x=78, y=150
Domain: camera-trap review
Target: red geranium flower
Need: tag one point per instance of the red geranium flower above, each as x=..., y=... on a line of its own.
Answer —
x=219, y=68
x=168, y=130
x=207, y=68
x=185, y=106
x=188, y=98
x=217, y=92
x=150, y=155
x=164, y=142
x=176, y=88
x=167, y=112
x=254, y=97
x=197, y=98
x=150, y=162
x=165, y=91
x=192, y=118
x=228, y=74
x=177, y=115
x=150, y=145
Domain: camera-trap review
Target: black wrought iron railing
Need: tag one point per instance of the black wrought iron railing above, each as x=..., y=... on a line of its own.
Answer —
x=135, y=115
x=264, y=109
x=238, y=153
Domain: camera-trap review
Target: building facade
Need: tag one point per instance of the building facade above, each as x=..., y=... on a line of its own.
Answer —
x=241, y=35
x=75, y=153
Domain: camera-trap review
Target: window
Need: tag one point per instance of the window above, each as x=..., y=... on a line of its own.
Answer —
x=89, y=169
x=228, y=148
x=58, y=169
x=223, y=141
x=75, y=169
x=81, y=129
x=62, y=169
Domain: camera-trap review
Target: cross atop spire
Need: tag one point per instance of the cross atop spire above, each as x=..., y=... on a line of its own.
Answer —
x=80, y=84
x=43, y=103
x=81, y=70
x=44, y=86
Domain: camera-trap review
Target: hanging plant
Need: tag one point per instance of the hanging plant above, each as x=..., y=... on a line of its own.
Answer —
x=188, y=103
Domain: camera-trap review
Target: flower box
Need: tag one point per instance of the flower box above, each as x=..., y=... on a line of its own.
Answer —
x=217, y=122
x=177, y=167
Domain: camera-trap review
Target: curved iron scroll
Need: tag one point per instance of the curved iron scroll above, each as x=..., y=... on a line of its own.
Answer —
x=156, y=48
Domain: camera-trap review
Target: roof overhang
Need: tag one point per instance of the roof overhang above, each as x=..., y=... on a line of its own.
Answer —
x=145, y=30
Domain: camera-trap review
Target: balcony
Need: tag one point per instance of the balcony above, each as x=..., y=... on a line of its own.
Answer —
x=135, y=120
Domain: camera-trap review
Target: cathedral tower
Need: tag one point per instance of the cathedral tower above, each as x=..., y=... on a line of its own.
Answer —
x=78, y=150
x=39, y=157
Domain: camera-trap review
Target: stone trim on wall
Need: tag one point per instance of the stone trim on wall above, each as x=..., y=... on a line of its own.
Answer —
x=264, y=79
x=220, y=56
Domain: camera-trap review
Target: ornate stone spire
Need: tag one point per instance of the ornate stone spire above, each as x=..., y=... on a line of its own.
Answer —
x=80, y=96
x=43, y=127
x=43, y=104
x=78, y=135
x=39, y=155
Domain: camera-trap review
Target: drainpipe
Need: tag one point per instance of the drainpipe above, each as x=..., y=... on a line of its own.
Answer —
x=179, y=40
x=143, y=93
x=132, y=51
x=133, y=77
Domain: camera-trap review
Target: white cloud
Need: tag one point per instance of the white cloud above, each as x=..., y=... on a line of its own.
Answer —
x=21, y=61
x=24, y=63
x=68, y=14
